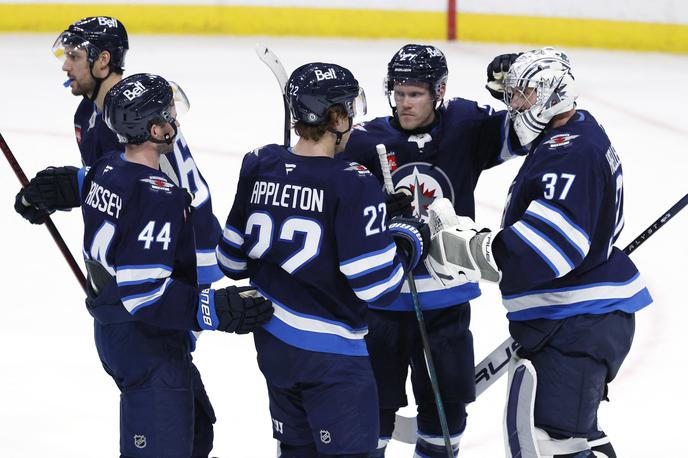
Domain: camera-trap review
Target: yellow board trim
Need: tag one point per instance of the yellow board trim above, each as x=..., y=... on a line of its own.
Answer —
x=330, y=22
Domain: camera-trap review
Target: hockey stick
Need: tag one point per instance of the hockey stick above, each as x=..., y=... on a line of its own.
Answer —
x=76, y=270
x=430, y=365
x=496, y=363
x=270, y=59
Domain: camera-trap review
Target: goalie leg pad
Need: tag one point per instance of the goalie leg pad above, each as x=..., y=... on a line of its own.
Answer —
x=522, y=438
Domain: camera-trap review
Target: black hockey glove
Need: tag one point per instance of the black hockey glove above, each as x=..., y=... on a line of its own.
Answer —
x=55, y=188
x=399, y=203
x=496, y=71
x=412, y=237
x=233, y=309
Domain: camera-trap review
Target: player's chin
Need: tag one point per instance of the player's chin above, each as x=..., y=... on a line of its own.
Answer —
x=408, y=122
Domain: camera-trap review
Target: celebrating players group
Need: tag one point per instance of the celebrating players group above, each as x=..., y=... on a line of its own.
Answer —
x=329, y=255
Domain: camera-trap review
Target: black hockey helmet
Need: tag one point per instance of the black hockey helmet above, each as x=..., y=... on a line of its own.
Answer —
x=313, y=88
x=95, y=35
x=417, y=64
x=137, y=102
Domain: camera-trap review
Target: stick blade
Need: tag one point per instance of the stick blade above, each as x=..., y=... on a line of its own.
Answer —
x=270, y=59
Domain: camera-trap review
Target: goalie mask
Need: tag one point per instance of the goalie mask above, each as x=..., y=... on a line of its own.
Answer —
x=538, y=86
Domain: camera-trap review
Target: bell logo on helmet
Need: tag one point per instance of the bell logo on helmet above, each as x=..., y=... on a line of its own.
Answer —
x=107, y=21
x=328, y=75
x=137, y=89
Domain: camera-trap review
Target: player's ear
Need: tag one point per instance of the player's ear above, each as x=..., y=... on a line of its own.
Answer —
x=102, y=63
x=441, y=92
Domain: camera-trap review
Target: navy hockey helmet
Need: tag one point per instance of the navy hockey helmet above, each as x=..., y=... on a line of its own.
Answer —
x=313, y=88
x=95, y=35
x=417, y=64
x=137, y=102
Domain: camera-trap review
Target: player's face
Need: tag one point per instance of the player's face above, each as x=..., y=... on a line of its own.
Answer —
x=415, y=105
x=76, y=65
x=522, y=99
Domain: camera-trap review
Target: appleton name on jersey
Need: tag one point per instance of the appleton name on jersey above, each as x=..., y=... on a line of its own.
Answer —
x=96, y=140
x=310, y=233
x=464, y=139
x=563, y=214
x=136, y=227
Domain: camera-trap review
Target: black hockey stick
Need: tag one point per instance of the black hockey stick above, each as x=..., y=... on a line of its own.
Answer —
x=430, y=365
x=496, y=363
x=76, y=270
x=270, y=59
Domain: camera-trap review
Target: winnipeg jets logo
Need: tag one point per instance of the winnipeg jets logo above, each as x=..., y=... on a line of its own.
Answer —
x=560, y=140
x=426, y=182
x=159, y=183
x=289, y=168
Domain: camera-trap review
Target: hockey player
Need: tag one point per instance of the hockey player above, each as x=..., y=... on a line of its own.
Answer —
x=93, y=50
x=434, y=149
x=140, y=256
x=310, y=231
x=569, y=292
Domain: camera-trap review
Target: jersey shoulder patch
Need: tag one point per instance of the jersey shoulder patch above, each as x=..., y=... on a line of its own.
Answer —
x=158, y=183
x=356, y=168
x=558, y=141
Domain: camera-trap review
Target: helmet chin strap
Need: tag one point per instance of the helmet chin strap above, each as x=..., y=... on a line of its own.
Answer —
x=169, y=139
x=98, y=81
x=340, y=134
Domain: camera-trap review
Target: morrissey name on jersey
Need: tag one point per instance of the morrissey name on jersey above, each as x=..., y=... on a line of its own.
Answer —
x=104, y=200
x=287, y=196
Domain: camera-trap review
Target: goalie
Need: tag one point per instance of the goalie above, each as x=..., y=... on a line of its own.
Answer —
x=570, y=294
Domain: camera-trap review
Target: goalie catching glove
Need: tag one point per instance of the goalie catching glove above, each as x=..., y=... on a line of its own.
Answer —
x=496, y=72
x=459, y=251
x=233, y=309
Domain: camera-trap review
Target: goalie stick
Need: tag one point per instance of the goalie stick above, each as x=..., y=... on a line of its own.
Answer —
x=430, y=365
x=496, y=363
x=270, y=59
x=76, y=270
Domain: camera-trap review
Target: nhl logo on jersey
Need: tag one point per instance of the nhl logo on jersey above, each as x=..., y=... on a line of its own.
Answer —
x=560, y=140
x=159, y=183
x=426, y=182
x=140, y=441
x=325, y=436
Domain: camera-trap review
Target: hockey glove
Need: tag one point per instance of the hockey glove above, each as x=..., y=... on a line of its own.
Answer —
x=459, y=252
x=399, y=203
x=412, y=237
x=55, y=188
x=31, y=213
x=496, y=71
x=233, y=309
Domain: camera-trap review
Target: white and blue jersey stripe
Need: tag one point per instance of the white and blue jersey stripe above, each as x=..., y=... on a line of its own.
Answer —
x=564, y=214
x=310, y=234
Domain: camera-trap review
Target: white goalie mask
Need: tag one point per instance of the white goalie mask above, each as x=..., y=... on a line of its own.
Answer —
x=538, y=86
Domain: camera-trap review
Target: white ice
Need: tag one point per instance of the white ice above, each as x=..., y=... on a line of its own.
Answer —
x=56, y=400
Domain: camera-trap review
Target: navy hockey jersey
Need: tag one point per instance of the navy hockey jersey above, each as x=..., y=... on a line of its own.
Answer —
x=93, y=136
x=136, y=226
x=96, y=140
x=446, y=161
x=310, y=233
x=563, y=214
